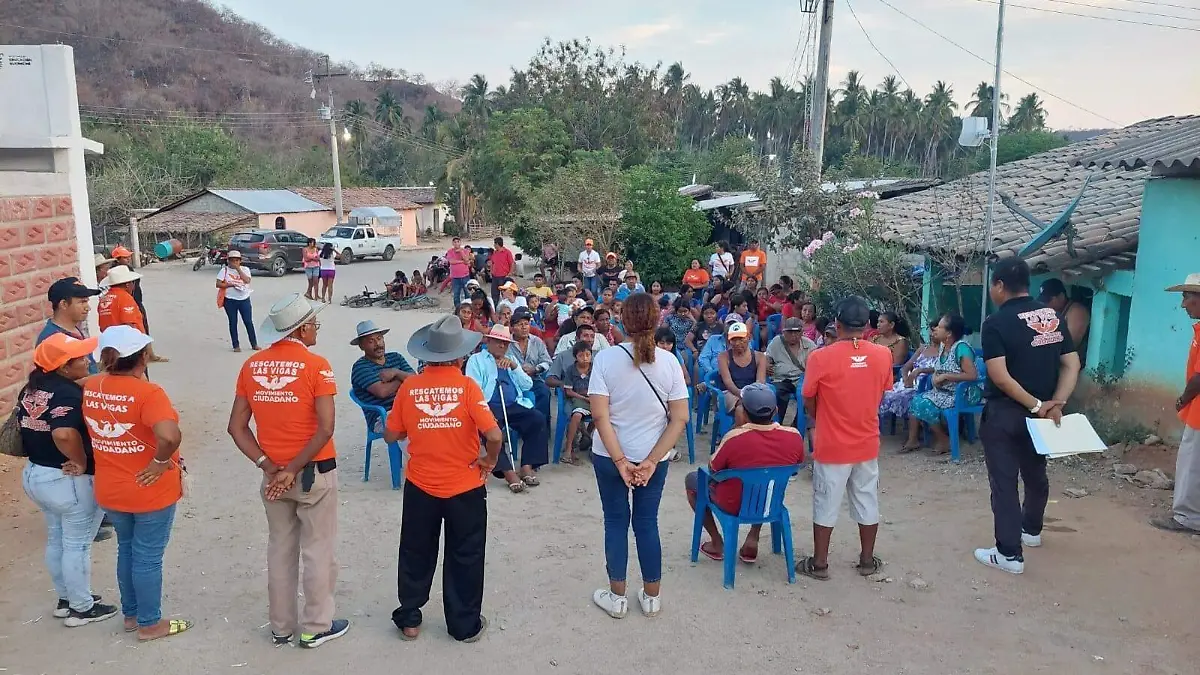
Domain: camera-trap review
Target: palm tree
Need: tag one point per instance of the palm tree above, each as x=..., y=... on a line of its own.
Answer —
x=388, y=110
x=1029, y=115
x=475, y=97
x=357, y=115
x=434, y=116
x=673, y=86
x=940, y=118
x=981, y=102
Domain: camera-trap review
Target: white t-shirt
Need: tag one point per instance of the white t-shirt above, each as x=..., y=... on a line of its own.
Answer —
x=635, y=411
x=721, y=264
x=513, y=304
x=239, y=288
x=329, y=263
x=589, y=262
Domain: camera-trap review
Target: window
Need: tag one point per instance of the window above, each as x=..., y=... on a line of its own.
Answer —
x=370, y=233
x=280, y=223
x=246, y=238
x=359, y=234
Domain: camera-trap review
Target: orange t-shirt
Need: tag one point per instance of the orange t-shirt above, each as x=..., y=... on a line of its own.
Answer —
x=696, y=278
x=121, y=412
x=1190, y=414
x=753, y=262
x=282, y=383
x=848, y=379
x=118, y=308
x=443, y=412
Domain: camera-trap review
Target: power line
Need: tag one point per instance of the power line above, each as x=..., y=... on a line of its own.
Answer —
x=1153, y=3
x=402, y=136
x=872, y=43
x=1006, y=72
x=1118, y=9
x=1093, y=16
x=158, y=45
x=198, y=113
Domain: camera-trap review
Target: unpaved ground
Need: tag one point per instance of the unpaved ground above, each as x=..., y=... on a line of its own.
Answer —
x=1106, y=594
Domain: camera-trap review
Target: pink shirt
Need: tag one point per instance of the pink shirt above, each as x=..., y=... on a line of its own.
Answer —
x=312, y=258
x=459, y=263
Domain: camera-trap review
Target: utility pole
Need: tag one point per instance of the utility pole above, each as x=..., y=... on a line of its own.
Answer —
x=989, y=218
x=816, y=122
x=328, y=113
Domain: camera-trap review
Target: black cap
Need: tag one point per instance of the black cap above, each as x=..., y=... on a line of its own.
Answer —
x=1051, y=288
x=853, y=313
x=67, y=288
x=521, y=314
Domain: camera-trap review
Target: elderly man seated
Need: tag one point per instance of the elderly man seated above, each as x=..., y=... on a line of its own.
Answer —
x=787, y=355
x=377, y=374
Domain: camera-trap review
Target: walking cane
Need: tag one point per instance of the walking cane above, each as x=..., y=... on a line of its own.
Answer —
x=507, y=431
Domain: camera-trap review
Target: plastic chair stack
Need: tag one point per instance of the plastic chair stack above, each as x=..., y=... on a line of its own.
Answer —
x=774, y=326
x=961, y=407
x=395, y=456
x=762, y=503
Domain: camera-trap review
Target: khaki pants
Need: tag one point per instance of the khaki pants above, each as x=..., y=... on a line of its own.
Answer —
x=1186, y=504
x=302, y=525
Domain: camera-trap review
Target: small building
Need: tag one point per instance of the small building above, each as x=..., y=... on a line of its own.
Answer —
x=431, y=219
x=212, y=214
x=365, y=197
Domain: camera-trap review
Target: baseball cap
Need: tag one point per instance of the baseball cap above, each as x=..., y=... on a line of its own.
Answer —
x=122, y=252
x=67, y=288
x=55, y=351
x=758, y=400
x=737, y=329
x=610, y=254
x=1051, y=288
x=127, y=340
x=732, y=317
x=793, y=323
x=853, y=312
x=521, y=314
x=510, y=285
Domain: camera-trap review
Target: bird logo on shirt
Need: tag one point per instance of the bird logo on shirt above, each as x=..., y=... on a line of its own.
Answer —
x=437, y=409
x=274, y=383
x=108, y=429
x=1044, y=323
x=858, y=361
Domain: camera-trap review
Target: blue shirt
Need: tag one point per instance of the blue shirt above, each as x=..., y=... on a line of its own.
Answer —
x=708, y=355
x=51, y=328
x=481, y=367
x=366, y=373
x=624, y=291
x=505, y=389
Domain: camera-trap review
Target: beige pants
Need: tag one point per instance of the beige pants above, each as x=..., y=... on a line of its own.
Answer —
x=302, y=525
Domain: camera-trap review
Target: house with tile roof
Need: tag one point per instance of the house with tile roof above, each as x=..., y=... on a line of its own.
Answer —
x=1127, y=237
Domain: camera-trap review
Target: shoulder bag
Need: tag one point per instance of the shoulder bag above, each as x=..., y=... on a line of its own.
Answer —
x=10, y=434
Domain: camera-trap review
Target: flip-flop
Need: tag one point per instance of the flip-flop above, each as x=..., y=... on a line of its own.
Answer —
x=717, y=555
x=176, y=626
x=807, y=566
x=873, y=568
x=906, y=448
x=516, y=488
x=572, y=460
x=531, y=480
x=749, y=560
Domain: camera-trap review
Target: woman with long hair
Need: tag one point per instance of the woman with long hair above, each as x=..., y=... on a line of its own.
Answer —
x=328, y=270
x=234, y=280
x=312, y=267
x=639, y=407
x=893, y=334
x=139, y=475
x=955, y=363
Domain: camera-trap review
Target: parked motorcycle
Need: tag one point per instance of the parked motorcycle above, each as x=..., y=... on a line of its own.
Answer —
x=214, y=256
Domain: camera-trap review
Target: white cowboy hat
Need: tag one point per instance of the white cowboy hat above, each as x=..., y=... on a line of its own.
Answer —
x=365, y=328
x=1189, y=285
x=120, y=274
x=102, y=260
x=127, y=340
x=285, y=316
x=442, y=341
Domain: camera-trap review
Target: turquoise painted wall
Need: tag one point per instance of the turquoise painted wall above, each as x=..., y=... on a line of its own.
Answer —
x=1168, y=250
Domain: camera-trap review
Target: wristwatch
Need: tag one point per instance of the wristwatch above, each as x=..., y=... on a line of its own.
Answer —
x=1037, y=407
x=259, y=462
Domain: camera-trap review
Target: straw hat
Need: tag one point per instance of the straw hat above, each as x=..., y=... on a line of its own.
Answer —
x=365, y=328
x=499, y=332
x=1189, y=285
x=442, y=341
x=120, y=274
x=287, y=315
x=101, y=260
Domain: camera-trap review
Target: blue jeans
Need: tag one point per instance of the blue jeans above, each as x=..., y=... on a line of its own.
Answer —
x=459, y=286
x=233, y=308
x=592, y=284
x=72, y=519
x=141, y=540
x=614, y=498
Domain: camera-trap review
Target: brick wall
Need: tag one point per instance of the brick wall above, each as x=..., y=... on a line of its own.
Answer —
x=37, y=247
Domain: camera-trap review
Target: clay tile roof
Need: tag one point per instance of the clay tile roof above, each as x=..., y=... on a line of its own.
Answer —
x=950, y=217
x=353, y=198
x=184, y=222
x=1174, y=149
x=417, y=195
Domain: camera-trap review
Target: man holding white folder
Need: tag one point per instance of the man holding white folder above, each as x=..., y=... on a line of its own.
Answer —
x=1032, y=369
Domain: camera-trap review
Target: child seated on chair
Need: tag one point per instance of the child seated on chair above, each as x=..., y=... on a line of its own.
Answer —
x=575, y=387
x=755, y=441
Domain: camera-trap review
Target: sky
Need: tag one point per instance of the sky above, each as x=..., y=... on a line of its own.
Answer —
x=1092, y=73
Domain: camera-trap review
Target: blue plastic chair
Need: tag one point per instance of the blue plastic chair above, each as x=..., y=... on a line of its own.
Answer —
x=722, y=419
x=774, y=326
x=395, y=457
x=560, y=423
x=762, y=503
x=961, y=407
x=691, y=421
x=801, y=414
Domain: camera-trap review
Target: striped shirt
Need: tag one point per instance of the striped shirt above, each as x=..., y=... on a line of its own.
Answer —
x=366, y=373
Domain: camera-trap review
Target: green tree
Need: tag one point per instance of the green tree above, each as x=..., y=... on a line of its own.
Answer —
x=521, y=150
x=659, y=227
x=1018, y=146
x=1029, y=115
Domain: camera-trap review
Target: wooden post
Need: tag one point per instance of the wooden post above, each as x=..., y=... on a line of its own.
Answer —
x=135, y=242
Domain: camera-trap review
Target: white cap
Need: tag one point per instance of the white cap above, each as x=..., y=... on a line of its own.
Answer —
x=127, y=340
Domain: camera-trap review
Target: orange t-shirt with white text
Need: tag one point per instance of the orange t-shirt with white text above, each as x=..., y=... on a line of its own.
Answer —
x=848, y=378
x=118, y=308
x=1190, y=414
x=121, y=412
x=753, y=261
x=442, y=412
x=281, y=384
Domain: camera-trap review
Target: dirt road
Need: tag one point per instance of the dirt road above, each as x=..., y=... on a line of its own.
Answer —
x=1106, y=594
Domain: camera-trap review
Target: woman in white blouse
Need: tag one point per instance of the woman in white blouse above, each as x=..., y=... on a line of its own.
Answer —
x=234, y=280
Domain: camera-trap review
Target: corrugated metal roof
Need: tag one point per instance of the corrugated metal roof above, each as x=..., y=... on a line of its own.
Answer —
x=270, y=201
x=191, y=222
x=732, y=200
x=1174, y=149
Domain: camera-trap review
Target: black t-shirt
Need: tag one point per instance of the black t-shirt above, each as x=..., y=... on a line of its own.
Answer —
x=703, y=331
x=1031, y=337
x=608, y=274
x=56, y=403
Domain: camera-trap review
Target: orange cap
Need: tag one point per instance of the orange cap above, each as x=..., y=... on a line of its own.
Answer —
x=122, y=252
x=55, y=351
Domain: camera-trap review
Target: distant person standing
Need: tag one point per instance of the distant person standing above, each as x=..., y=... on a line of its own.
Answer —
x=843, y=385
x=234, y=280
x=327, y=270
x=503, y=263
x=312, y=268
x=589, y=266
x=1185, y=508
x=118, y=306
x=1032, y=369
x=459, y=259
x=754, y=263
x=123, y=256
x=721, y=262
x=1054, y=294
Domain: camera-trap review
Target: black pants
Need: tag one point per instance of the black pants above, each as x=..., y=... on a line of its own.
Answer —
x=534, y=432
x=784, y=391
x=497, y=282
x=465, y=518
x=1008, y=451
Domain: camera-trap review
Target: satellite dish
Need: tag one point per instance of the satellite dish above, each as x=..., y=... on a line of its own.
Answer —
x=974, y=132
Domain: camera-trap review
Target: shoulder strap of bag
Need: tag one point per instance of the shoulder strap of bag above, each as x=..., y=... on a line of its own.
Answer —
x=647, y=379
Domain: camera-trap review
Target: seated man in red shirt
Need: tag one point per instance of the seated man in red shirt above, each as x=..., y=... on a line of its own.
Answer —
x=755, y=441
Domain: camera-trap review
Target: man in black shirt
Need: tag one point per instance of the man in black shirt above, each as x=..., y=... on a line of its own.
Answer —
x=1032, y=369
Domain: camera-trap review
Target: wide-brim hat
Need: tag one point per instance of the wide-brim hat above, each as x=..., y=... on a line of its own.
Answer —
x=287, y=315
x=100, y=259
x=1189, y=285
x=120, y=274
x=499, y=332
x=365, y=328
x=443, y=340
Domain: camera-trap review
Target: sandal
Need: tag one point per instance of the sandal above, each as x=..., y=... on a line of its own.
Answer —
x=516, y=488
x=531, y=480
x=175, y=627
x=572, y=460
x=717, y=555
x=748, y=559
x=873, y=568
x=906, y=448
x=808, y=567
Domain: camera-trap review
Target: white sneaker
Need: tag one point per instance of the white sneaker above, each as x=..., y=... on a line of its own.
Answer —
x=992, y=558
x=617, y=606
x=651, y=604
x=1031, y=540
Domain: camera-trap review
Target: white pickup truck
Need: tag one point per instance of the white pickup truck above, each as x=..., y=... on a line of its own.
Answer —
x=351, y=242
